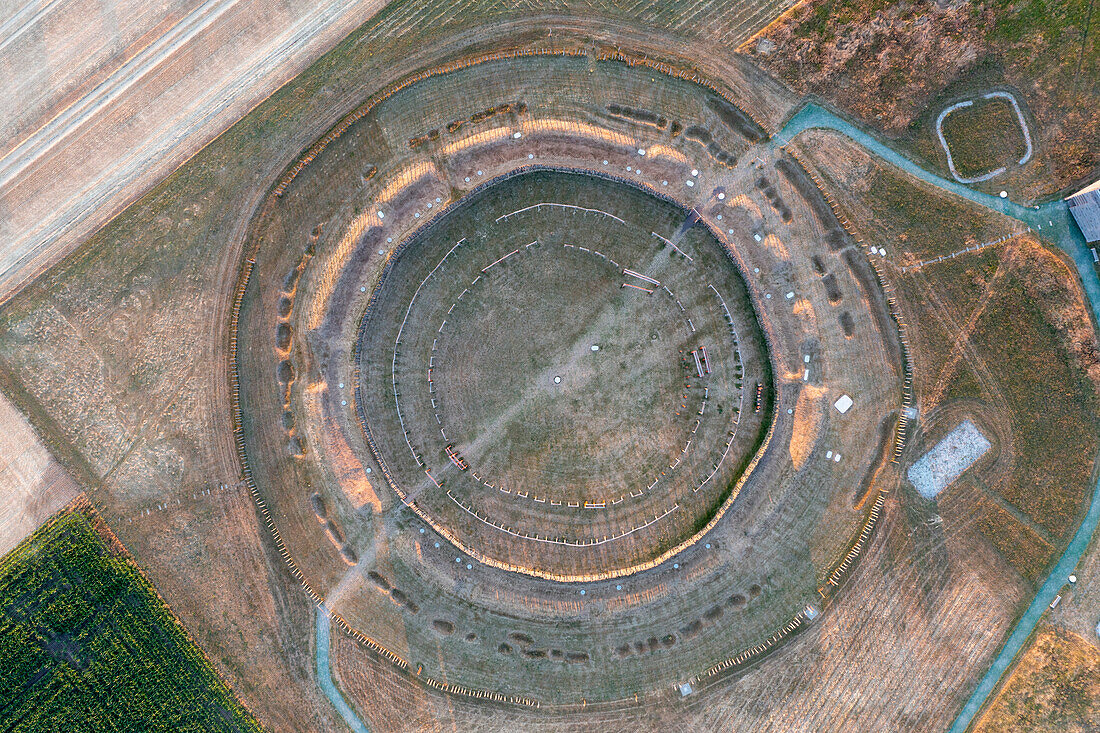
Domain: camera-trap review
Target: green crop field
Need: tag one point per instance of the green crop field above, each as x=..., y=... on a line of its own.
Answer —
x=88, y=645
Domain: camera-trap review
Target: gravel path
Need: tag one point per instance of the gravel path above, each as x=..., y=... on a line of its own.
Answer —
x=967, y=103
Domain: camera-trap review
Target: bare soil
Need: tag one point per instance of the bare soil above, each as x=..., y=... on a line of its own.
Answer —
x=33, y=485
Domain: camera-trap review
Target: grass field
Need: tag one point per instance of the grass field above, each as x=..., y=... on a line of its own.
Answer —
x=1055, y=686
x=1019, y=338
x=984, y=136
x=895, y=64
x=119, y=354
x=319, y=251
x=571, y=395
x=1009, y=339
x=88, y=644
x=1004, y=331
x=124, y=349
x=1019, y=544
x=912, y=221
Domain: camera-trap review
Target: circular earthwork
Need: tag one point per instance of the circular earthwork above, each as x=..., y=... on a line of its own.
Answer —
x=558, y=385
x=419, y=304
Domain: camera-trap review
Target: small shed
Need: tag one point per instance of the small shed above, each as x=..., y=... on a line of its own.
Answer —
x=1085, y=208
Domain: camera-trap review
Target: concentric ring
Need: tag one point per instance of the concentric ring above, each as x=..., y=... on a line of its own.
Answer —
x=621, y=459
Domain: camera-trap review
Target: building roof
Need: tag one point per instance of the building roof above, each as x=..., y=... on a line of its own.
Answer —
x=1094, y=186
x=1085, y=207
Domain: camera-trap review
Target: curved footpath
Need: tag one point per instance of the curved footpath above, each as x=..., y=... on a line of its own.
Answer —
x=1054, y=221
x=324, y=674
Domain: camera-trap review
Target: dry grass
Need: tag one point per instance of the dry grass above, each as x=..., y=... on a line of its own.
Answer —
x=911, y=219
x=1054, y=417
x=663, y=641
x=1004, y=327
x=162, y=438
x=984, y=137
x=1055, y=686
x=1021, y=546
x=139, y=315
x=619, y=419
x=903, y=634
x=896, y=63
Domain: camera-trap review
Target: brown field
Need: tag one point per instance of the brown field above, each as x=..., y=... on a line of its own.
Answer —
x=150, y=426
x=120, y=356
x=572, y=443
x=118, y=94
x=1055, y=686
x=898, y=650
x=895, y=64
x=33, y=485
x=338, y=263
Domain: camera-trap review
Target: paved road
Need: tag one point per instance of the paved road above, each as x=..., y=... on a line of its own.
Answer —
x=1053, y=222
x=324, y=674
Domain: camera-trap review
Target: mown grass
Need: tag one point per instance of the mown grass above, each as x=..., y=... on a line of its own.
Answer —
x=86, y=644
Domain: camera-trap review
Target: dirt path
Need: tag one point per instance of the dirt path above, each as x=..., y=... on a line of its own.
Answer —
x=962, y=346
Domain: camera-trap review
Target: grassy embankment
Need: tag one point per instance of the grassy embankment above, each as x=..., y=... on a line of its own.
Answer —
x=895, y=64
